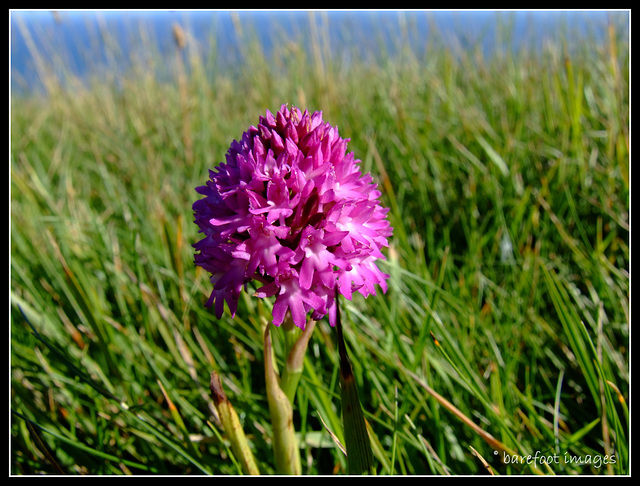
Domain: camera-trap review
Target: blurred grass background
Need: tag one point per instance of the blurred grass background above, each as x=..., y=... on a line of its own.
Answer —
x=505, y=329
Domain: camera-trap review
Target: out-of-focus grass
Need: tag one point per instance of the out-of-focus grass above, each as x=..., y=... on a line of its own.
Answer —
x=505, y=330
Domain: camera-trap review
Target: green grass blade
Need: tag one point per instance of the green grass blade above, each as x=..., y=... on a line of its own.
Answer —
x=587, y=359
x=85, y=448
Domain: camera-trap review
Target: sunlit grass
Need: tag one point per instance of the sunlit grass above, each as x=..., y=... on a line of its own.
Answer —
x=505, y=329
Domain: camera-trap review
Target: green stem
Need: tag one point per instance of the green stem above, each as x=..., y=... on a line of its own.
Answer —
x=295, y=349
x=285, y=443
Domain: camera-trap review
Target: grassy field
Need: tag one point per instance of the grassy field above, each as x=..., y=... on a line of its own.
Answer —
x=505, y=330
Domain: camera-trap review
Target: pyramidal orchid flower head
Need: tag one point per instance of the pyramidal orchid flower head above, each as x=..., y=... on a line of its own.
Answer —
x=290, y=210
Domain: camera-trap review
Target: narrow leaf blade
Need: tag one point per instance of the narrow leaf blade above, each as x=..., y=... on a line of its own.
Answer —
x=356, y=438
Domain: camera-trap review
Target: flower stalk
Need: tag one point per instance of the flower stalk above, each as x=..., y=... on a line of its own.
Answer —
x=296, y=343
x=285, y=443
